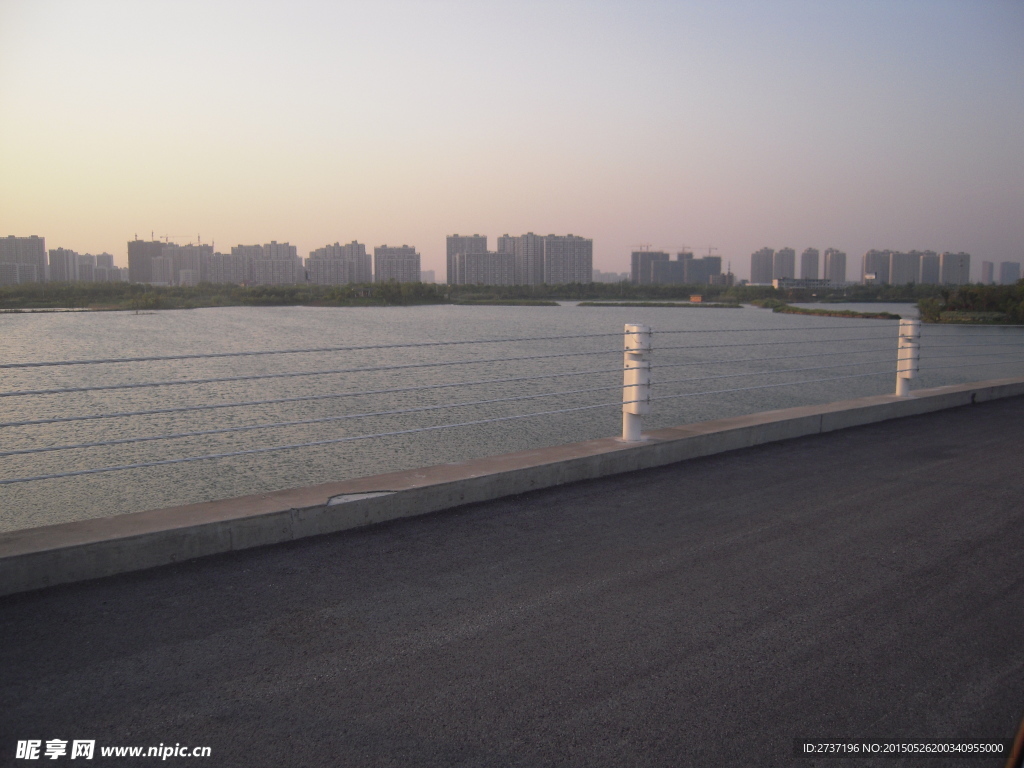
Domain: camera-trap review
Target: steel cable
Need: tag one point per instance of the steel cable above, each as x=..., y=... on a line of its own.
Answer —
x=763, y=359
x=770, y=386
x=768, y=330
x=292, y=374
x=771, y=343
x=300, y=422
x=251, y=451
x=156, y=358
x=300, y=398
x=763, y=373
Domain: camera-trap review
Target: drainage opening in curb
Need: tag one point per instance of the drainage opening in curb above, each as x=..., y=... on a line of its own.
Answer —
x=346, y=497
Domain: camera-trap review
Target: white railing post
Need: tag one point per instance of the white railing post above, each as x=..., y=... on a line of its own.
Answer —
x=636, y=381
x=908, y=354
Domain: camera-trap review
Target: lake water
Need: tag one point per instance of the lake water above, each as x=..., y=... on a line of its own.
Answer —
x=726, y=348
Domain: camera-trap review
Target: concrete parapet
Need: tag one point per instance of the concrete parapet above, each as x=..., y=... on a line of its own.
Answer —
x=86, y=549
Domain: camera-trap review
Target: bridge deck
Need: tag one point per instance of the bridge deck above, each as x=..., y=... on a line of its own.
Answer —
x=866, y=583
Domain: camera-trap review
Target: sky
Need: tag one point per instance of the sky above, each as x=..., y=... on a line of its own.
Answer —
x=731, y=125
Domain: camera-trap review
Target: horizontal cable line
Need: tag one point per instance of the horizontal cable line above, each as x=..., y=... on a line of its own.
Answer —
x=763, y=373
x=771, y=343
x=771, y=386
x=768, y=330
x=301, y=398
x=763, y=359
x=956, y=327
x=24, y=392
x=972, y=345
x=156, y=358
x=300, y=422
x=251, y=451
x=926, y=369
x=978, y=354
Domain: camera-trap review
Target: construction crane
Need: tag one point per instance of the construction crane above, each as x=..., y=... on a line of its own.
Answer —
x=641, y=247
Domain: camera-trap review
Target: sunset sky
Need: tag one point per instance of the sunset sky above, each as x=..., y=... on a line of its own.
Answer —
x=853, y=124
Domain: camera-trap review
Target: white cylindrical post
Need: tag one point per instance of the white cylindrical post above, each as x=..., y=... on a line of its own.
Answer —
x=636, y=381
x=908, y=354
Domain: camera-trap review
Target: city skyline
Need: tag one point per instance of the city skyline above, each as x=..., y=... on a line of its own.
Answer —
x=518, y=260
x=850, y=125
x=834, y=259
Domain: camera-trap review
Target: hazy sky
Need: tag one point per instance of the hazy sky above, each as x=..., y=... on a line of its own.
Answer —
x=854, y=124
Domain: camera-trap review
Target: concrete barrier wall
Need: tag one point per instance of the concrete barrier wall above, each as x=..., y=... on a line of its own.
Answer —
x=87, y=549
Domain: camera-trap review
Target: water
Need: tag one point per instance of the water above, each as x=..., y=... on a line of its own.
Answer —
x=719, y=340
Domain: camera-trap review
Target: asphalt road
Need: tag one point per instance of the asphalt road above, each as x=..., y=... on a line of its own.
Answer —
x=866, y=584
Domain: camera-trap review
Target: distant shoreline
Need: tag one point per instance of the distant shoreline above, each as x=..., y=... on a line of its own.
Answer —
x=966, y=304
x=707, y=305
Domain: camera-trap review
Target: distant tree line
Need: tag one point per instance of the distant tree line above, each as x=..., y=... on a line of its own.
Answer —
x=138, y=296
x=975, y=304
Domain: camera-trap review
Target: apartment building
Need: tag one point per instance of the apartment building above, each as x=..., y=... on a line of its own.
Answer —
x=22, y=260
x=398, y=263
x=340, y=264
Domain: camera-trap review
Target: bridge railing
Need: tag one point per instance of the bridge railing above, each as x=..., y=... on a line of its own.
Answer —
x=646, y=374
x=904, y=359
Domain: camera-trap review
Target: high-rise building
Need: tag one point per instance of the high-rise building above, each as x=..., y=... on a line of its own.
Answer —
x=955, y=268
x=1009, y=272
x=25, y=259
x=63, y=265
x=457, y=244
x=784, y=264
x=140, y=260
x=252, y=252
x=86, y=268
x=188, y=277
x=278, y=272
x=529, y=251
x=686, y=270
x=276, y=250
x=187, y=258
x=809, y=264
x=161, y=270
x=67, y=266
x=489, y=268
x=109, y=274
x=274, y=264
x=642, y=264
x=904, y=268
x=228, y=268
x=988, y=273
x=700, y=271
x=875, y=268
x=568, y=259
x=507, y=244
x=340, y=264
x=243, y=257
x=668, y=272
x=835, y=266
x=762, y=266
x=398, y=263
x=929, y=268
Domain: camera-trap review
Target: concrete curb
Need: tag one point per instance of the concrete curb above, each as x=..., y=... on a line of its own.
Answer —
x=40, y=557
